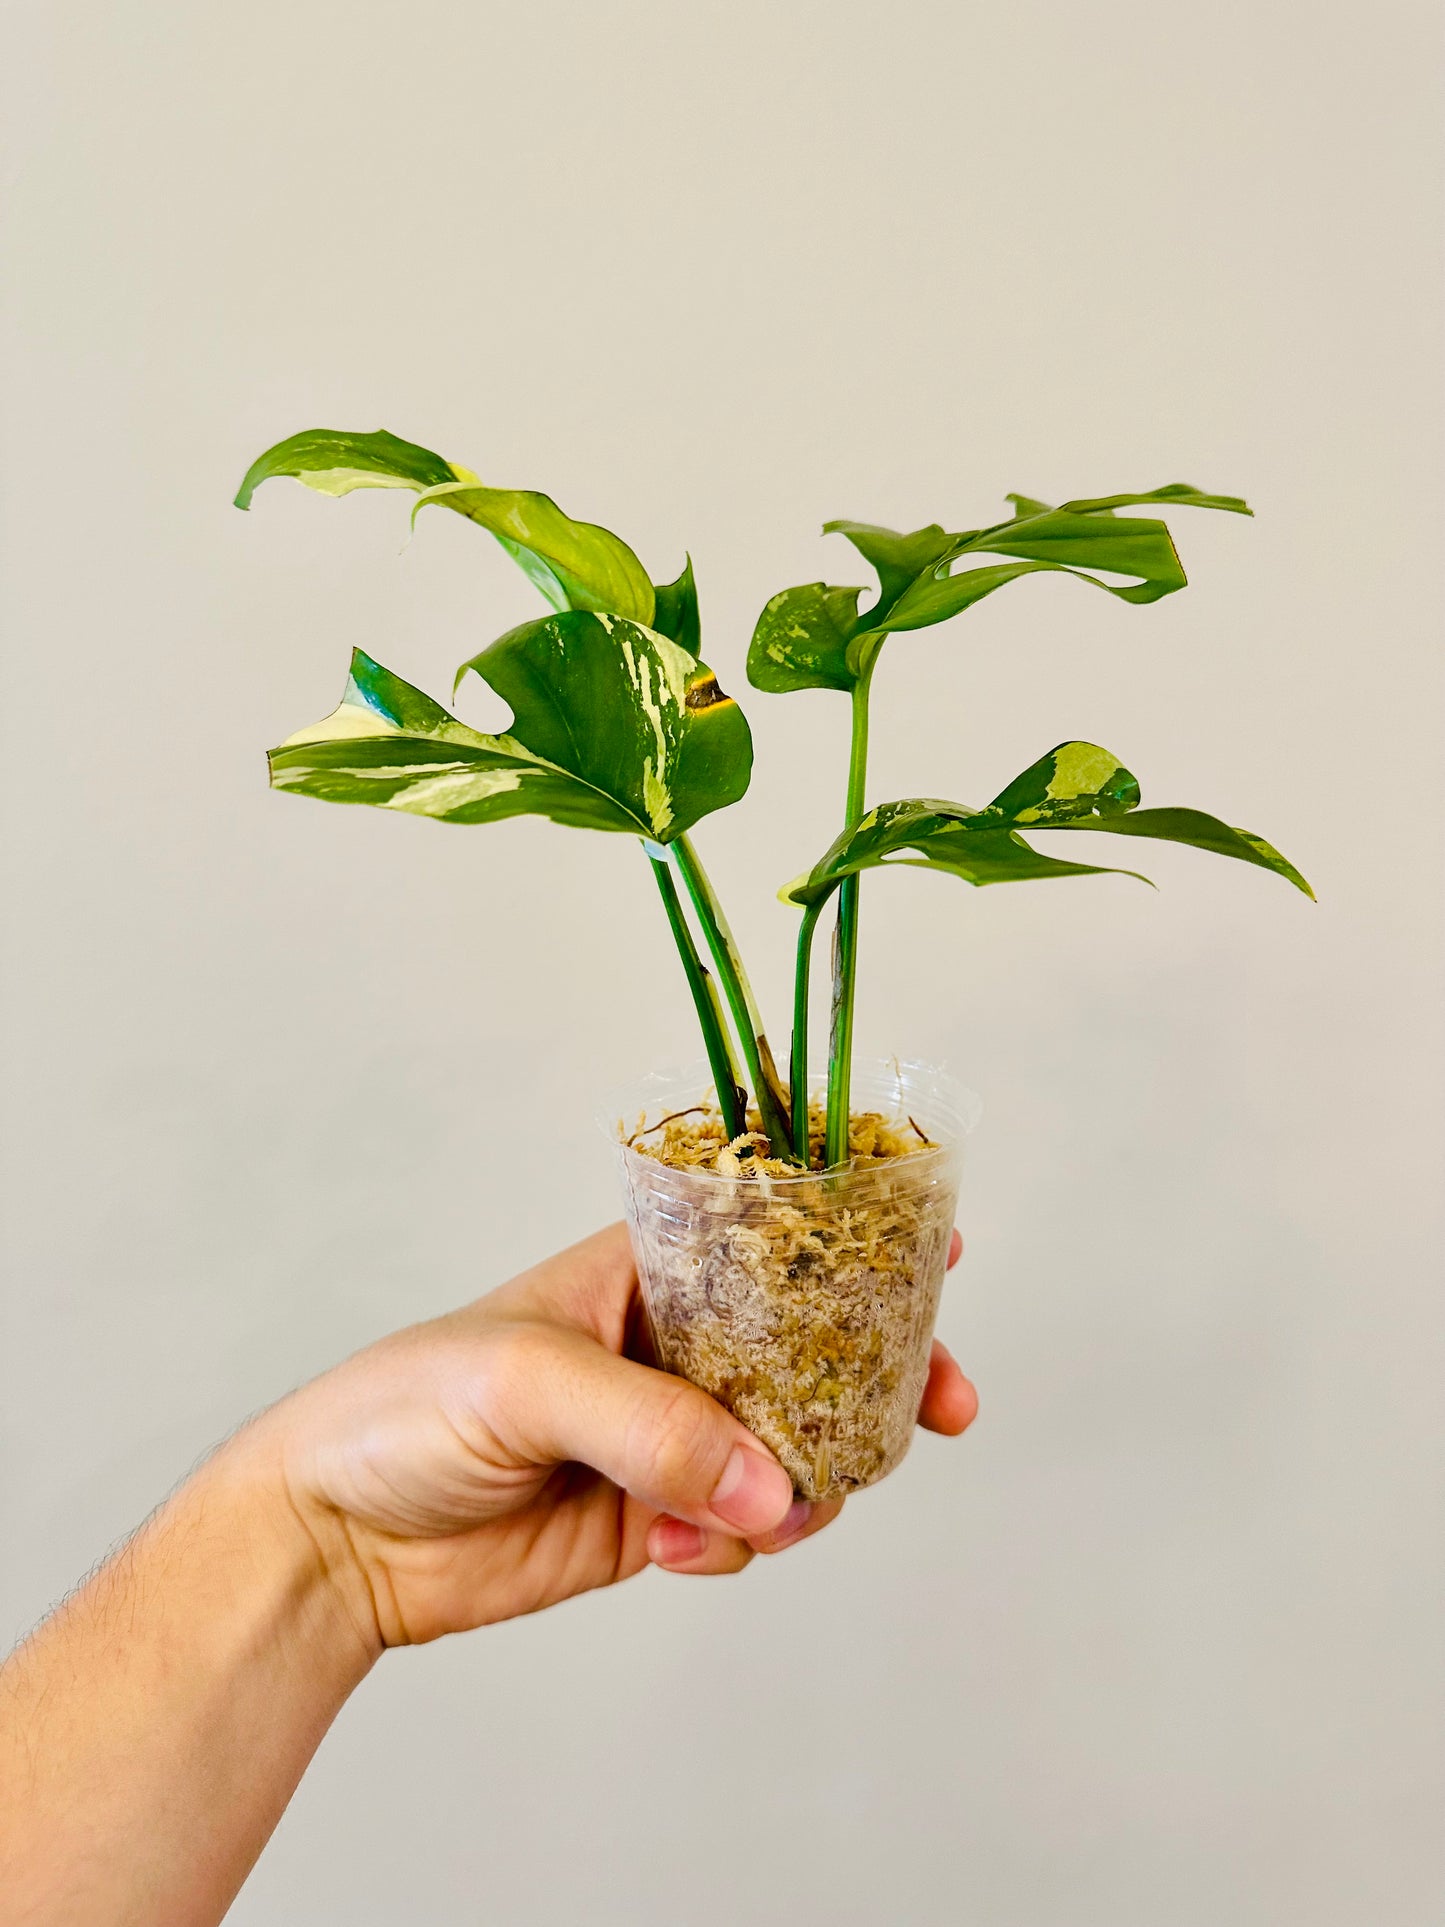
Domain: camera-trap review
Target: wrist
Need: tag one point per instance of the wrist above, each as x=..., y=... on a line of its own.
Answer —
x=174, y=1702
x=317, y=1594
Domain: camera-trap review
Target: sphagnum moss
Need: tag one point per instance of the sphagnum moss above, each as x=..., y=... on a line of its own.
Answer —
x=804, y=1305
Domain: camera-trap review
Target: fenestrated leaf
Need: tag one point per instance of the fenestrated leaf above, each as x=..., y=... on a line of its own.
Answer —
x=1083, y=536
x=628, y=710
x=943, y=836
x=391, y=746
x=1077, y=786
x=1202, y=832
x=898, y=559
x=677, y=614
x=801, y=640
x=614, y=728
x=334, y=461
x=927, y=575
x=1173, y=494
x=576, y=565
x=934, y=598
x=1026, y=505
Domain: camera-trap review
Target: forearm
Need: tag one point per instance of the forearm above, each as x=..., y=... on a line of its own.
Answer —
x=152, y=1731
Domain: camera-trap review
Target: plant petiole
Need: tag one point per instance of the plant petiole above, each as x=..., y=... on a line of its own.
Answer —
x=704, y=998
x=772, y=1100
x=845, y=941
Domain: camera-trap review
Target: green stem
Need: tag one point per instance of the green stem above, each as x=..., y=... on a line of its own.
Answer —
x=704, y=998
x=845, y=942
x=735, y=1082
x=747, y=1020
x=798, y=1068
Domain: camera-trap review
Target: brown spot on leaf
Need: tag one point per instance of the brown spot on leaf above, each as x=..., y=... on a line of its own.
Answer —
x=703, y=693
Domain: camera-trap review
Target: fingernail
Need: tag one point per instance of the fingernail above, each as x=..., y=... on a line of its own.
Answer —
x=791, y=1523
x=753, y=1493
x=794, y=1519
x=675, y=1542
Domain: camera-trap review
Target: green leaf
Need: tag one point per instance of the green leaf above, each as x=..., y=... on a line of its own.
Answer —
x=677, y=614
x=1201, y=832
x=921, y=582
x=627, y=710
x=334, y=462
x=576, y=565
x=1052, y=539
x=614, y=728
x=389, y=745
x=1077, y=786
x=801, y=640
x=1173, y=494
x=935, y=598
x=943, y=836
x=899, y=559
x=1026, y=505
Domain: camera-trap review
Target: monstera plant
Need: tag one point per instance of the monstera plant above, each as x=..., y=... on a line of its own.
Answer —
x=618, y=724
x=791, y=1247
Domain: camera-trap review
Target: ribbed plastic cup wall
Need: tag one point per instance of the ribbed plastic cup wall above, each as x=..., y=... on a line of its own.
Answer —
x=805, y=1305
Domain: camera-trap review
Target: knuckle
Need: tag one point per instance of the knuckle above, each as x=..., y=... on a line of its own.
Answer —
x=515, y=1359
x=677, y=1444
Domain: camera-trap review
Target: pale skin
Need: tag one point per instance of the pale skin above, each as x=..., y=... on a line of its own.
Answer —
x=489, y=1463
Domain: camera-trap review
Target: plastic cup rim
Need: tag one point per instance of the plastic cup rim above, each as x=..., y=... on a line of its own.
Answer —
x=964, y=1107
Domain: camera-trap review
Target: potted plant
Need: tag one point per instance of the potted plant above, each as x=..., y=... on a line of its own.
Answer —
x=791, y=1230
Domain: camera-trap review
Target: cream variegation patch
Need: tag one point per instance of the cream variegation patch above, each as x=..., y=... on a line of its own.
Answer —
x=1080, y=769
x=347, y=722
x=453, y=790
x=341, y=481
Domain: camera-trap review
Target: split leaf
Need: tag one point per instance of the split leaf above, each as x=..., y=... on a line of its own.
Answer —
x=614, y=728
x=927, y=575
x=1077, y=786
x=898, y=559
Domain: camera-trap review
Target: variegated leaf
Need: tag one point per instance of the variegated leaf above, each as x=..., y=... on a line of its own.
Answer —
x=801, y=640
x=1077, y=786
x=389, y=745
x=942, y=836
x=1074, y=781
x=628, y=711
x=614, y=728
x=1201, y=831
x=576, y=565
x=334, y=461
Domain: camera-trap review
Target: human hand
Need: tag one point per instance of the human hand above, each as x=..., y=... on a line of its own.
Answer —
x=516, y=1452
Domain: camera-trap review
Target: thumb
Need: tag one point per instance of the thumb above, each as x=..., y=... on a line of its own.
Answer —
x=555, y=1395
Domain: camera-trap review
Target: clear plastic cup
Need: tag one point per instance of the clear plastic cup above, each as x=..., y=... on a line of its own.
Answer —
x=806, y=1304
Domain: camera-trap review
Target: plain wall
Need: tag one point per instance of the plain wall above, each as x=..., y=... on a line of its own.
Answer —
x=1157, y=1644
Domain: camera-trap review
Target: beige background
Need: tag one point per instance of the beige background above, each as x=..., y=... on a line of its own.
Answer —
x=1157, y=1645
